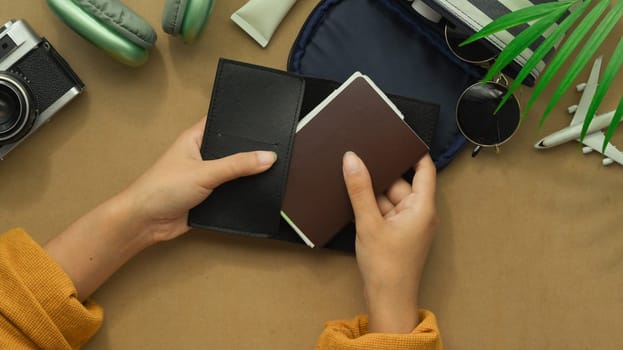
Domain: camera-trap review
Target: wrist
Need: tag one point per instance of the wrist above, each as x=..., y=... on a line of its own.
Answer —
x=392, y=310
x=149, y=218
x=131, y=233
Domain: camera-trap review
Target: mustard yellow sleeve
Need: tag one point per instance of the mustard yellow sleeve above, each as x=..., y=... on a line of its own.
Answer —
x=38, y=304
x=353, y=335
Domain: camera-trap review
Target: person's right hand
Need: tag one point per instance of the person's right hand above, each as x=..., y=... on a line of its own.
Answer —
x=394, y=232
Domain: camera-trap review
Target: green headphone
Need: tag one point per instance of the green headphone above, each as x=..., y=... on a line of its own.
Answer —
x=125, y=35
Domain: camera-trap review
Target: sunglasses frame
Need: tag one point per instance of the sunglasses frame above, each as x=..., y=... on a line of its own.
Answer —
x=478, y=145
x=501, y=81
x=482, y=63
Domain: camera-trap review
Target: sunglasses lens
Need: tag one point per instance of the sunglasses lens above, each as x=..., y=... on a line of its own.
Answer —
x=475, y=114
x=475, y=52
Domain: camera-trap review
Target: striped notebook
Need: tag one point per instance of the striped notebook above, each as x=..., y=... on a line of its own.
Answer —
x=473, y=15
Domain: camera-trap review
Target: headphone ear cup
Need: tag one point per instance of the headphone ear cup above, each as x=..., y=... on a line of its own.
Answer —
x=121, y=19
x=173, y=16
x=186, y=18
x=101, y=33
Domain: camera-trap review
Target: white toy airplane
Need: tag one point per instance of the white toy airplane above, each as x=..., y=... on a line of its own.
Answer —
x=594, y=137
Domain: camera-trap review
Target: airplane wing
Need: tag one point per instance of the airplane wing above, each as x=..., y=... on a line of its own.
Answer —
x=588, y=93
x=596, y=141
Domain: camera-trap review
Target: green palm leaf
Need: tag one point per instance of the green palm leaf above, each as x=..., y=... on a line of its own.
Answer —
x=518, y=17
x=606, y=80
x=595, y=40
x=611, y=70
x=618, y=115
x=555, y=36
x=522, y=41
x=565, y=51
x=542, y=13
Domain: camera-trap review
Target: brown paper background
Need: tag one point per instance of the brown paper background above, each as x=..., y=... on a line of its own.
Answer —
x=529, y=252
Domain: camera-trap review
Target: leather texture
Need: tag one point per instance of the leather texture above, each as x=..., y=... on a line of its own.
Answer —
x=357, y=119
x=47, y=75
x=120, y=18
x=254, y=107
x=173, y=16
x=421, y=116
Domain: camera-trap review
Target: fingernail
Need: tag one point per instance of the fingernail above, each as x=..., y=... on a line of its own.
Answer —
x=352, y=164
x=266, y=157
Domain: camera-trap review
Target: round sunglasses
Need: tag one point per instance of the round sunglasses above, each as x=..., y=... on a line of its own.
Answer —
x=475, y=110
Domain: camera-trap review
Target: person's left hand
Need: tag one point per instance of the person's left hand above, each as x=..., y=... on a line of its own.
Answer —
x=161, y=198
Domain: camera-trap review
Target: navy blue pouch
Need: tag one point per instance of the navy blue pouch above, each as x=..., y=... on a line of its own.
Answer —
x=400, y=50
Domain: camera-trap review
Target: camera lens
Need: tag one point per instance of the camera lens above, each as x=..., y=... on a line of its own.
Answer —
x=16, y=114
x=9, y=108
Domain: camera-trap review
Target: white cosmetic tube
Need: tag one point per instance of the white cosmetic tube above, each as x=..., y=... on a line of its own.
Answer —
x=260, y=18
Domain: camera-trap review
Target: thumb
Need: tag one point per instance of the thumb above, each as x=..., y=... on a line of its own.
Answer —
x=360, y=192
x=218, y=171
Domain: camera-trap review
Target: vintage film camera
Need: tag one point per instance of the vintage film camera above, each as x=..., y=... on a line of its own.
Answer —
x=35, y=82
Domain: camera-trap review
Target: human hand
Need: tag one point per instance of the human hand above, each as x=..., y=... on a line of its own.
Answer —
x=394, y=232
x=180, y=180
x=154, y=208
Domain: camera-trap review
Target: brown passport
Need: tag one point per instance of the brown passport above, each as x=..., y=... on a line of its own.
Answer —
x=356, y=117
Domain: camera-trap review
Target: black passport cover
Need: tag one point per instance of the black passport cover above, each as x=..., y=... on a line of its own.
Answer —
x=257, y=108
x=252, y=108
